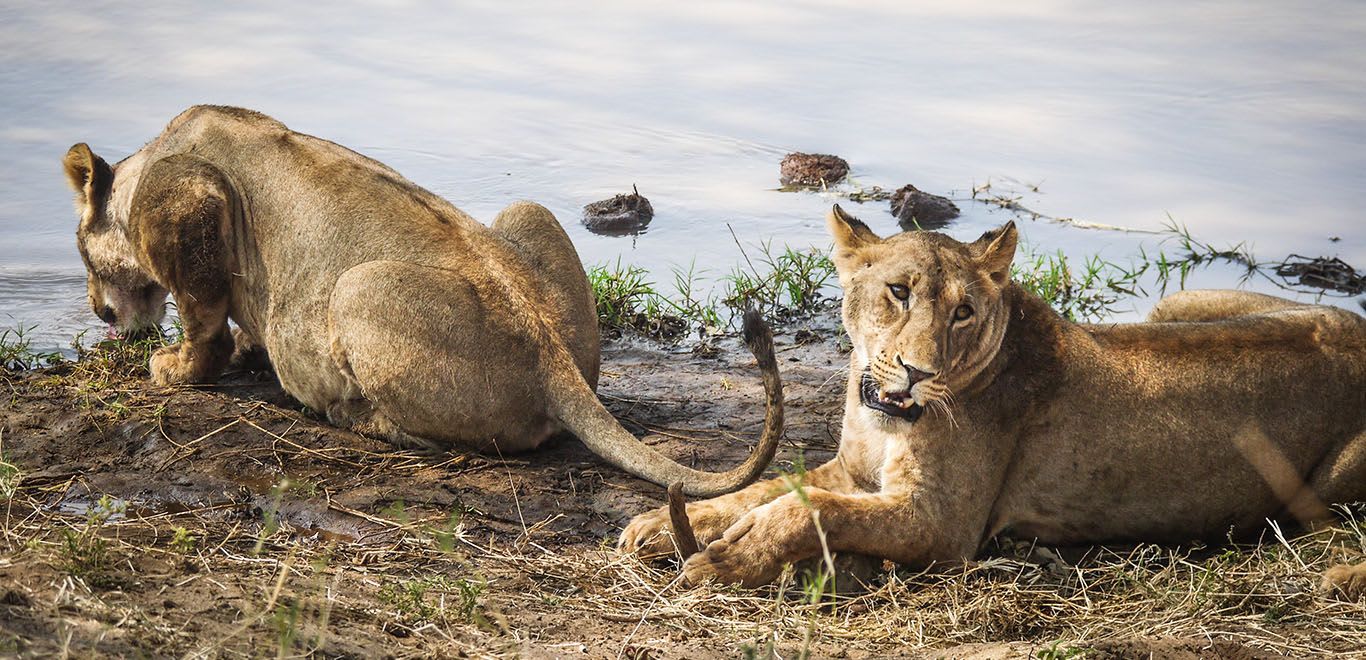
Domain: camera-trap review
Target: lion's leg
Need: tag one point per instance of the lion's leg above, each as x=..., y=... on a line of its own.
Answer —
x=176, y=224
x=360, y=416
x=541, y=241
x=439, y=359
x=203, y=351
x=1345, y=581
x=1341, y=476
x=888, y=525
x=1215, y=305
x=247, y=352
x=649, y=534
x=1339, y=479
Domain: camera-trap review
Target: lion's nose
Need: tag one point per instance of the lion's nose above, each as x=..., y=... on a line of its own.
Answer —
x=916, y=375
x=106, y=314
x=912, y=374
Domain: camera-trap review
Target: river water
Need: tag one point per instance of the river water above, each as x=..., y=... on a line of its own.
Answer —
x=1244, y=122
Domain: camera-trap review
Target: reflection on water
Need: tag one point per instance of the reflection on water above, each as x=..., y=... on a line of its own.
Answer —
x=1242, y=123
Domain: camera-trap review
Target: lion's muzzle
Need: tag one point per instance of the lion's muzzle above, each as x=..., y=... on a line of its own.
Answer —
x=893, y=404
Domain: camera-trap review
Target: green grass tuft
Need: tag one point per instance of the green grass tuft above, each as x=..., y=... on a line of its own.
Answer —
x=17, y=354
x=1088, y=294
x=785, y=284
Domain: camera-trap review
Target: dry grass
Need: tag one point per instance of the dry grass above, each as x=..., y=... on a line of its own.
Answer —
x=295, y=591
x=420, y=583
x=1259, y=594
x=300, y=592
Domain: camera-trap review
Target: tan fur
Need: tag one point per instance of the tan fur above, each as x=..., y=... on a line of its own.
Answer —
x=1232, y=408
x=1347, y=582
x=378, y=303
x=116, y=287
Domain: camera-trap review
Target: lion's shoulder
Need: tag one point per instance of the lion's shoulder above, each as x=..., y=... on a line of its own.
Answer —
x=224, y=114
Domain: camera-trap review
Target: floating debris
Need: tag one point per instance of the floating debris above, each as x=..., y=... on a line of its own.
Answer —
x=869, y=194
x=620, y=216
x=812, y=170
x=1323, y=273
x=917, y=209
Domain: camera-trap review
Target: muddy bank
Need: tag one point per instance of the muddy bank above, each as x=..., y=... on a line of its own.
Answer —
x=226, y=520
x=231, y=462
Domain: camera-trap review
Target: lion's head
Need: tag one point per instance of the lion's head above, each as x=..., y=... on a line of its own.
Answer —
x=119, y=291
x=925, y=312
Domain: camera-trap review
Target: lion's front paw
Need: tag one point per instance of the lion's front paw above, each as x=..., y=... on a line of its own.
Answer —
x=744, y=555
x=167, y=367
x=1346, y=581
x=650, y=534
x=247, y=354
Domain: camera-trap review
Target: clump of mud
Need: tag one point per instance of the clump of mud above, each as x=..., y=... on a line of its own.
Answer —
x=620, y=215
x=812, y=170
x=917, y=209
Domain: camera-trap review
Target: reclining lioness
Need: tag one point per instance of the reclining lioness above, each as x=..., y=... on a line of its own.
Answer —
x=379, y=304
x=973, y=409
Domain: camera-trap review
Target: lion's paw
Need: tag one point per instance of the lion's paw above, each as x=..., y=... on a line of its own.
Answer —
x=651, y=534
x=167, y=367
x=1346, y=581
x=247, y=355
x=648, y=534
x=738, y=557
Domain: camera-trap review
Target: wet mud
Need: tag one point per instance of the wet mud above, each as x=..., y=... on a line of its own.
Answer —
x=229, y=460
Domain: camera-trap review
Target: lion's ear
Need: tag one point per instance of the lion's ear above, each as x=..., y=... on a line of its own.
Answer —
x=87, y=173
x=850, y=235
x=996, y=250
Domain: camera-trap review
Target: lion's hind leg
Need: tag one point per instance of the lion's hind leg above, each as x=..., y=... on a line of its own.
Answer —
x=247, y=353
x=537, y=236
x=1215, y=305
x=360, y=415
x=434, y=359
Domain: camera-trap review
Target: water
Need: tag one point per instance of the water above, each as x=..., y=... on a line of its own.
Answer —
x=1244, y=123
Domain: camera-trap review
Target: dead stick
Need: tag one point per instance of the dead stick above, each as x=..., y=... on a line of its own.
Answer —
x=678, y=517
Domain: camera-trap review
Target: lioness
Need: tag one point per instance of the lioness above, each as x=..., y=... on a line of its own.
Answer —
x=378, y=303
x=973, y=409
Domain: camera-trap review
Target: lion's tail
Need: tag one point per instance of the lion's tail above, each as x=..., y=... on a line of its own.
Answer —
x=579, y=409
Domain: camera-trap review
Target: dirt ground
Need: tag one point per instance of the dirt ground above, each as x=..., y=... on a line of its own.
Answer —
x=226, y=521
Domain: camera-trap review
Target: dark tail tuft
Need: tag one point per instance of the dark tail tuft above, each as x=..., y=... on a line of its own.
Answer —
x=759, y=338
x=684, y=538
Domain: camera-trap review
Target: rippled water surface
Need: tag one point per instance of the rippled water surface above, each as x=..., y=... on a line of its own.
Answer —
x=1241, y=121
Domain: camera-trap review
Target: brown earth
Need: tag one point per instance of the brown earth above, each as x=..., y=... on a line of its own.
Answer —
x=213, y=460
x=241, y=525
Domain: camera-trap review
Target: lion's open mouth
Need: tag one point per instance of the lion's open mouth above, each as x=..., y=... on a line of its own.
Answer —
x=892, y=404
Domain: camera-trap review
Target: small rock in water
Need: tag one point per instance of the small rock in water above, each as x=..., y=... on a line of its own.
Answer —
x=621, y=215
x=915, y=208
x=815, y=170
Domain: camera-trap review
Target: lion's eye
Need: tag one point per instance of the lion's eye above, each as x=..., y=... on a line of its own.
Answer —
x=962, y=313
x=900, y=292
